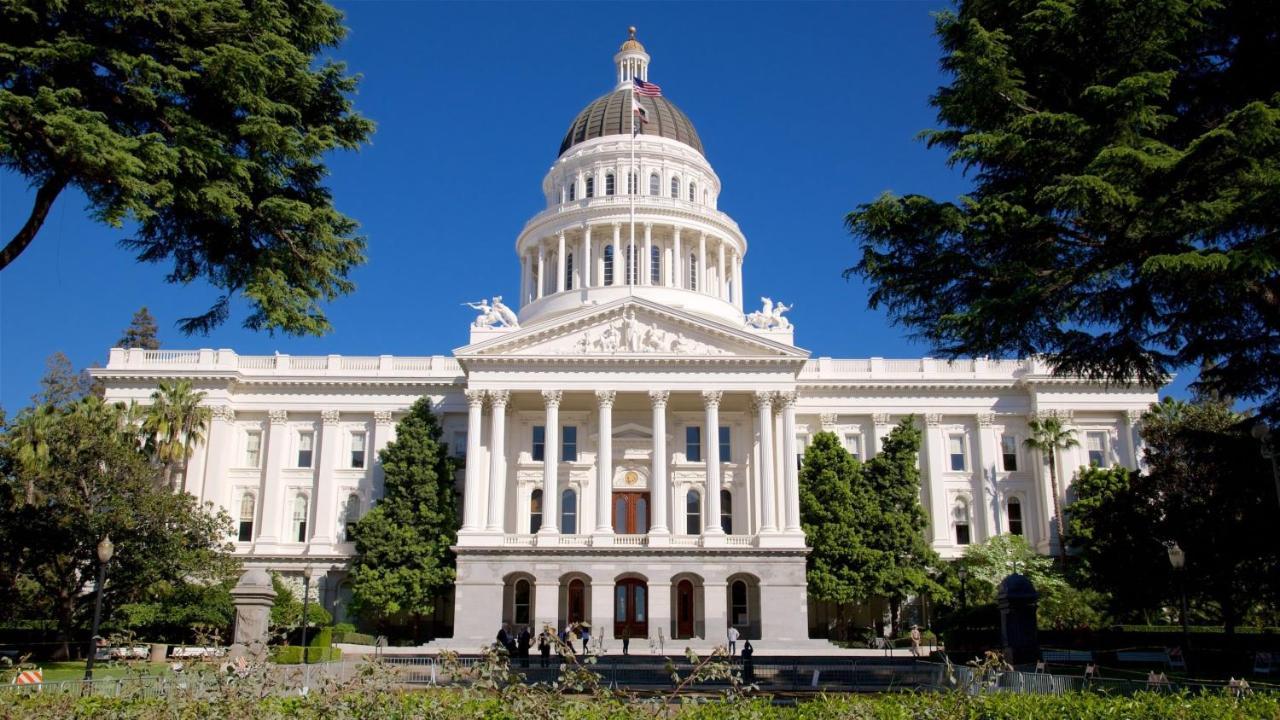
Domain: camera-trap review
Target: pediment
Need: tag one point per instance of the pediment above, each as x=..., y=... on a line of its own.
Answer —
x=632, y=327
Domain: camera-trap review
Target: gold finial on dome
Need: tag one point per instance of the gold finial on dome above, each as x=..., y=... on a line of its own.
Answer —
x=631, y=42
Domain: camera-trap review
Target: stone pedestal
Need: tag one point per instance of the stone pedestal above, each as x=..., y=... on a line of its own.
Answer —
x=1017, y=599
x=253, y=597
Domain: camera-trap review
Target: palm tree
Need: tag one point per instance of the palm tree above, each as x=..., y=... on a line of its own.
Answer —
x=1049, y=436
x=173, y=423
x=30, y=435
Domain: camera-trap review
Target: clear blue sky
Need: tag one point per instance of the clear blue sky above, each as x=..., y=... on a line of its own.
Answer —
x=805, y=109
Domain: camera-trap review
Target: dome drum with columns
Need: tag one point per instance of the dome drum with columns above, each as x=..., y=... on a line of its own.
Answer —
x=630, y=435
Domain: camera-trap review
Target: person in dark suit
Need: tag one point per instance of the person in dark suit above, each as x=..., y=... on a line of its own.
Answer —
x=523, y=640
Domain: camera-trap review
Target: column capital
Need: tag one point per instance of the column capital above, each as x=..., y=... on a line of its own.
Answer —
x=761, y=400
x=560, y=234
x=986, y=419
x=787, y=399
x=278, y=417
x=879, y=419
x=585, y=227
x=474, y=397
x=827, y=421
x=659, y=397
x=551, y=398
x=1134, y=417
x=222, y=412
x=647, y=225
x=382, y=418
x=499, y=398
x=617, y=226
x=605, y=398
x=330, y=417
x=711, y=398
x=932, y=419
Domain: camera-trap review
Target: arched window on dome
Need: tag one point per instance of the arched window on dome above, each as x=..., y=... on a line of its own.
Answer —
x=655, y=184
x=608, y=264
x=631, y=265
x=610, y=187
x=591, y=186
x=573, y=190
x=568, y=271
x=675, y=188
x=693, y=191
x=655, y=265
x=693, y=271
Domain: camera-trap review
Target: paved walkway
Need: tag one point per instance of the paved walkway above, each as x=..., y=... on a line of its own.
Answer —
x=809, y=648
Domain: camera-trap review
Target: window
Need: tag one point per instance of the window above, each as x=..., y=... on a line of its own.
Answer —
x=252, y=448
x=693, y=191
x=693, y=271
x=569, y=512
x=350, y=516
x=632, y=183
x=610, y=187
x=1014, y=510
x=535, y=511
x=726, y=449
x=305, y=442
x=853, y=443
x=955, y=445
x=1009, y=452
x=960, y=517
x=521, y=602
x=569, y=443
x=246, y=518
x=726, y=512
x=655, y=265
x=693, y=443
x=573, y=191
x=738, y=598
x=693, y=513
x=631, y=264
x=675, y=188
x=539, y=443
x=608, y=264
x=568, y=271
x=459, y=448
x=357, y=449
x=1097, y=445
x=300, y=518
x=591, y=187
x=655, y=184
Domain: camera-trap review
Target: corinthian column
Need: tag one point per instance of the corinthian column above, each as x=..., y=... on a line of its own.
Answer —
x=659, y=487
x=472, y=519
x=604, y=463
x=791, y=483
x=551, y=463
x=711, y=451
x=764, y=473
x=497, y=437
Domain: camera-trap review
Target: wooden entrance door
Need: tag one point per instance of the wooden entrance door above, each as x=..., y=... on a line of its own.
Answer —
x=684, y=609
x=631, y=608
x=630, y=513
x=577, y=601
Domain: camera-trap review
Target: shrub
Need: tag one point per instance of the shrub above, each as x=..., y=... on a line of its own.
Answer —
x=292, y=654
x=352, y=638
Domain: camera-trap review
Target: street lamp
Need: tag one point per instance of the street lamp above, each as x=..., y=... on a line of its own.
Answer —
x=962, y=573
x=1267, y=439
x=105, y=551
x=1178, y=560
x=306, y=599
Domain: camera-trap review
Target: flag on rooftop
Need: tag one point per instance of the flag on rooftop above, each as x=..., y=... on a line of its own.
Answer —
x=646, y=89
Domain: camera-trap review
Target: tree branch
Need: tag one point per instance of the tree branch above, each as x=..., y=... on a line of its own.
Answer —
x=45, y=196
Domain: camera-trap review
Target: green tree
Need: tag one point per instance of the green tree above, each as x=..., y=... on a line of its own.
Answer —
x=173, y=423
x=286, y=609
x=403, y=565
x=206, y=123
x=1062, y=605
x=141, y=332
x=1122, y=221
x=62, y=385
x=833, y=504
x=896, y=531
x=1048, y=436
x=101, y=485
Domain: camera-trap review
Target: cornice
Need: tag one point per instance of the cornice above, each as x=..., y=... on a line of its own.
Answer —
x=563, y=552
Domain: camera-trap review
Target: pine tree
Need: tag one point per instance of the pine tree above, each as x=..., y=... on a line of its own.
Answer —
x=141, y=332
x=62, y=385
x=403, y=565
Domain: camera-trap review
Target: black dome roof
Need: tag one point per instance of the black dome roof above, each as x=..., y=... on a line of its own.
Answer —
x=608, y=115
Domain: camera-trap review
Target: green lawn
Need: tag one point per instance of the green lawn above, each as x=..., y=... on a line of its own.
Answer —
x=58, y=671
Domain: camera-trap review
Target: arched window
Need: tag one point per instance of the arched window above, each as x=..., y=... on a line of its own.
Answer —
x=246, y=518
x=1014, y=510
x=740, y=614
x=960, y=518
x=655, y=184
x=726, y=512
x=655, y=265
x=693, y=513
x=591, y=186
x=535, y=511
x=693, y=271
x=568, y=271
x=608, y=264
x=610, y=187
x=675, y=188
x=573, y=190
x=569, y=512
x=350, y=516
x=693, y=191
x=521, y=601
x=300, y=518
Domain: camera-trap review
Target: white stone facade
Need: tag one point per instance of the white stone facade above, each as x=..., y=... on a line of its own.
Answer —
x=595, y=486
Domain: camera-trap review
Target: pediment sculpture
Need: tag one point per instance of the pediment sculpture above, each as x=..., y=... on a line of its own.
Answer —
x=493, y=314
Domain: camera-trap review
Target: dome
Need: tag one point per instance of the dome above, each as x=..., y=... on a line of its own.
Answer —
x=610, y=115
x=631, y=44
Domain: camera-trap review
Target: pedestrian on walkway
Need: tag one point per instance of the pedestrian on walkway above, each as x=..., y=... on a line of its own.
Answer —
x=544, y=646
x=915, y=640
x=626, y=638
x=732, y=635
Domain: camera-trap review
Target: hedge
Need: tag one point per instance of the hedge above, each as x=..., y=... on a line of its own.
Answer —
x=353, y=638
x=292, y=654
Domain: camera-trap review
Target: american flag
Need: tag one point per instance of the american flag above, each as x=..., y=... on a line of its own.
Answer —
x=646, y=89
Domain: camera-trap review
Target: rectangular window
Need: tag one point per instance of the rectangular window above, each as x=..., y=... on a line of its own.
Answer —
x=459, y=449
x=1009, y=451
x=539, y=442
x=1097, y=446
x=306, y=442
x=357, y=449
x=853, y=443
x=726, y=448
x=955, y=445
x=569, y=443
x=253, y=448
x=693, y=443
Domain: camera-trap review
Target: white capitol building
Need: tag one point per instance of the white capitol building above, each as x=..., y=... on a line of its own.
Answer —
x=631, y=435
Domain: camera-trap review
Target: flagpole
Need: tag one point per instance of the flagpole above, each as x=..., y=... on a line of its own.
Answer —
x=634, y=187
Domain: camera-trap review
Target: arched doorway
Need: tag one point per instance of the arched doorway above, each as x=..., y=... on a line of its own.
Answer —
x=743, y=608
x=631, y=608
x=576, y=603
x=684, y=609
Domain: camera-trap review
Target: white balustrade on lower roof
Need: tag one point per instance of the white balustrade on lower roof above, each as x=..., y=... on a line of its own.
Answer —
x=686, y=540
x=517, y=540
x=575, y=541
x=739, y=540
x=631, y=540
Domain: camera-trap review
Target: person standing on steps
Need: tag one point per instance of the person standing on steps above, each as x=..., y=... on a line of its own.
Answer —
x=544, y=646
x=732, y=635
x=523, y=641
x=626, y=638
